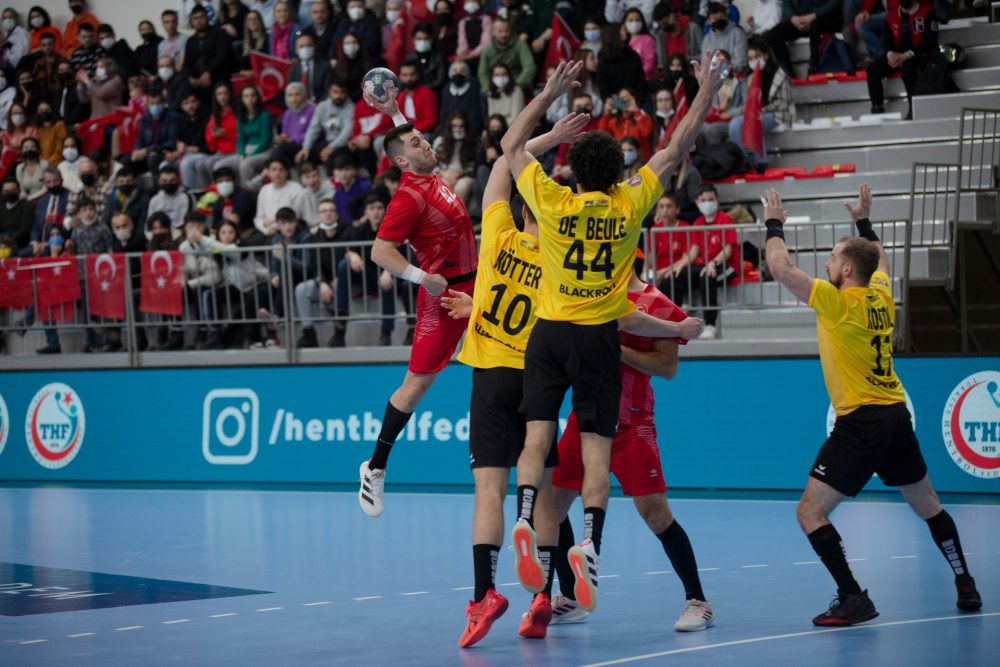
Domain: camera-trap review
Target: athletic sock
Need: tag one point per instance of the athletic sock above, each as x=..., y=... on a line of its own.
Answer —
x=593, y=526
x=545, y=558
x=393, y=424
x=561, y=554
x=828, y=545
x=526, y=503
x=678, y=549
x=484, y=566
x=945, y=535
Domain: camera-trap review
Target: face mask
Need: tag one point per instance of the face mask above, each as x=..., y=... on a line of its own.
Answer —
x=166, y=73
x=676, y=73
x=88, y=180
x=391, y=15
x=356, y=13
x=633, y=27
x=720, y=25
x=496, y=135
x=17, y=119
x=351, y=50
x=430, y=5
x=107, y=43
x=592, y=35
x=630, y=157
x=501, y=81
x=56, y=241
x=65, y=78
x=328, y=226
x=126, y=189
x=5, y=253
x=37, y=21
x=160, y=239
x=70, y=154
x=87, y=222
x=155, y=110
x=8, y=25
x=422, y=45
x=147, y=37
x=30, y=155
x=459, y=80
x=225, y=189
x=306, y=53
x=665, y=114
x=708, y=208
x=502, y=12
x=903, y=4
x=101, y=73
x=755, y=63
x=123, y=235
x=45, y=116
x=11, y=197
x=471, y=7
x=76, y=9
x=458, y=135
x=170, y=188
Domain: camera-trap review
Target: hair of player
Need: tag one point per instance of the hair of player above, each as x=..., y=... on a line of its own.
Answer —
x=393, y=142
x=862, y=254
x=597, y=161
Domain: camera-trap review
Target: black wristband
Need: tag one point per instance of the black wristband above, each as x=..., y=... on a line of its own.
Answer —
x=775, y=229
x=865, y=230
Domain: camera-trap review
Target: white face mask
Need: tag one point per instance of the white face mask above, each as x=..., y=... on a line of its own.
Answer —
x=708, y=208
x=391, y=15
x=501, y=81
x=123, y=235
x=471, y=7
x=306, y=53
x=422, y=45
x=107, y=43
x=430, y=5
x=630, y=157
x=225, y=188
x=166, y=73
x=633, y=27
x=665, y=114
x=17, y=119
x=3, y=83
x=8, y=25
x=70, y=154
x=356, y=13
x=592, y=35
x=755, y=63
x=351, y=50
x=37, y=21
x=328, y=226
x=87, y=222
x=458, y=135
x=101, y=73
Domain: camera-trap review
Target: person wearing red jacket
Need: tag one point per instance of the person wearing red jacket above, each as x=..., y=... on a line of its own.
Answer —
x=416, y=101
x=910, y=38
x=369, y=126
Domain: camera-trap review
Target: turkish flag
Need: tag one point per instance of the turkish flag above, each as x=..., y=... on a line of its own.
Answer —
x=128, y=129
x=58, y=287
x=90, y=133
x=680, y=110
x=15, y=284
x=562, y=46
x=270, y=73
x=162, y=290
x=753, y=125
x=106, y=285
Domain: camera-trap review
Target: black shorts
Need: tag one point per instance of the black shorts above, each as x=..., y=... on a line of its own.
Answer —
x=585, y=357
x=496, y=427
x=872, y=439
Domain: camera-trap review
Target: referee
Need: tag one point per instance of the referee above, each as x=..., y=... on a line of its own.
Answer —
x=873, y=433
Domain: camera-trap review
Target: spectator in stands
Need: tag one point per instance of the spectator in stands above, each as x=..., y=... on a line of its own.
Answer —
x=639, y=40
x=254, y=39
x=147, y=53
x=331, y=124
x=311, y=69
x=675, y=250
x=88, y=236
x=725, y=36
x=281, y=34
x=243, y=279
x=221, y=134
x=910, y=39
x=664, y=109
x=174, y=87
x=172, y=198
x=445, y=28
x=117, y=49
x=187, y=10
x=15, y=42
x=623, y=118
x=280, y=193
x=192, y=146
x=591, y=35
x=318, y=290
x=39, y=26
x=369, y=126
x=201, y=275
x=504, y=49
x=684, y=185
x=16, y=214
x=50, y=212
x=866, y=21
x=802, y=18
x=138, y=94
x=71, y=38
x=433, y=63
x=30, y=170
x=28, y=92
x=614, y=10
x=489, y=148
x=357, y=270
x=363, y=24
x=474, y=29
x=416, y=101
x=294, y=123
x=717, y=254
x=766, y=15
x=352, y=65
x=126, y=198
x=17, y=130
x=675, y=34
x=266, y=10
x=504, y=97
x=456, y=150
x=289, y=245
x=85, y=56
x=64, y=97
x=726, y=105
x=618, y=66
x=317, y=188
x=71, y=162
x=321, y=28
x=588, y=84
x=103, y=92
x=396, y=42
x=208, y=54
x=253, y=135
x=632, y=154
x=778, y=110
x=232, y=14
x=44, y=64
x=349, y=187
x=234, y=205
x=156, y=138
x=88, y=187
x=174, y=42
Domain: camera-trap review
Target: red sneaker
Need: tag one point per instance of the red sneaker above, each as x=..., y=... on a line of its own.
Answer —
x=481, y=616
x=526, y=564
x=535, y=622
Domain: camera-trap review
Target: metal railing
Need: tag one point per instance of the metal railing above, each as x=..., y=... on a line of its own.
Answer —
x=979, y=150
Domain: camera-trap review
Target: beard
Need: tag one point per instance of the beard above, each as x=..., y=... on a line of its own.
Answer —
x=836, y=281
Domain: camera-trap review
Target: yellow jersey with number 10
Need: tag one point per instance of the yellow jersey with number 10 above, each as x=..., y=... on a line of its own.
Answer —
x=503, y=303
x=854, y=327
x=588, y=244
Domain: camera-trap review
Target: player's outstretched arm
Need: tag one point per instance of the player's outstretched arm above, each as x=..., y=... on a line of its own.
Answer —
x=644, y=324
x=711, y=75
x=859, y=213
x=661, y=361
x=514, y=142
x=778, y=262
x=387, y=256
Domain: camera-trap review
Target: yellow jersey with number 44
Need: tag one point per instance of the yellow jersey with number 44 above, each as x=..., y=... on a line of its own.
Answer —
x=503, y=303
x=854, y=327
x=588, y=244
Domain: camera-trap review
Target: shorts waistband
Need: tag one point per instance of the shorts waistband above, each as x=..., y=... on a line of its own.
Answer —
x=464, y=278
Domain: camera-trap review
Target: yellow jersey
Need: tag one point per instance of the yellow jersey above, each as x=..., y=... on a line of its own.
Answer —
x=503, y=303
x=588, y=244
x=854, y=327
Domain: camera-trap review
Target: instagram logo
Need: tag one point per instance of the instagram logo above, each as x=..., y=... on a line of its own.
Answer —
x=229, y=426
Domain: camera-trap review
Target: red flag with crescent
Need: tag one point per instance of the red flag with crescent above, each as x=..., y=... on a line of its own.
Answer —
x=106, y=285
x=58, y=287
x=270, y=74
x=752, y=135
x=680, y=110
x=562, y=45
x=15, y=284
x=162, y=290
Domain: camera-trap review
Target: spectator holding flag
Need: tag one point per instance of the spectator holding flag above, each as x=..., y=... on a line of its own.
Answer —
x=777, y=108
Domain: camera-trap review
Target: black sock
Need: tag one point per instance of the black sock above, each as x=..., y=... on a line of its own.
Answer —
x=678, y=549
x=561, y=555
x=484, y=565
x=393, y=424
x=827, y=544
x=593, y=526
x=945, y=535
x=545, y=555
x=526, y=503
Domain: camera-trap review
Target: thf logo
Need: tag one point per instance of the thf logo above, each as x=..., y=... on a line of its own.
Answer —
x=55, y=425
x=230, y=426
x=971, y=425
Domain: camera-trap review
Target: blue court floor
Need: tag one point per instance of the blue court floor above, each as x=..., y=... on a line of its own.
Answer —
x=224, y=577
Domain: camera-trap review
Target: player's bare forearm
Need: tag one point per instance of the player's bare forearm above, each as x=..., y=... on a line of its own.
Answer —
x=661, y=361
x=385, y=254
x=779, y=263
x=642, y=324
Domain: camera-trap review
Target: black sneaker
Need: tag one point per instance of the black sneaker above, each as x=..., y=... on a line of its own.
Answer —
x=307, y=339
x=385, y=338
x=848, y=609
x=337, y=340
x=49, y=349
x=408, y=339
x=878, y=108
x=968, y=596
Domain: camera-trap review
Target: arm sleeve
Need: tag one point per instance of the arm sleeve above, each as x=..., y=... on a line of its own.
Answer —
x=642, y=191
x=403, y=213
x=882, y=282
x=827, y=300
x=344, y=135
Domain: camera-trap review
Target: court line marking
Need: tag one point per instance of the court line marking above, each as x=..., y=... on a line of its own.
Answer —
x=747, y=567
x=463, y=588
x=415, y=593
x=900, y=557
x=707, y=569
x=791, y=635
x=608, y=576
x=81, y=634
x=513, y=583
x=806, y=562
x=175, y=622
x=315, y=604
x=368, y=597
x=33, y=641
x=658, y=572
x=128, y=627
x=230, y=613
x=269, y=609
x=852, y=560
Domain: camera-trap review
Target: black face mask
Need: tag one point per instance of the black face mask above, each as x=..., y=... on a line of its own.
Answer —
x=66, y=77
x=11, y=197
x=444, y=19
x=170, y=188
x=160, y=240
x=45, y=116
x=496, y=135
x=89, y=180
x=55, y=189
x=906, y=6
x=459, y=79
x=126, y=189
x=148, y=37
x=30, y=155
x=76, y=9
x=720, y=24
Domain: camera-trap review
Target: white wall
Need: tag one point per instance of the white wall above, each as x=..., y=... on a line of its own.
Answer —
x=123, y=15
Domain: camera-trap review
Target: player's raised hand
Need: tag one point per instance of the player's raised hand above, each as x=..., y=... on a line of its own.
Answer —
x=389, y=107
x=569, y=127
x=863, y=208
x=434, y=283
x=711, y=72
x=564, y=78
x=773, y=210
x=458, y=305
x=691, y=328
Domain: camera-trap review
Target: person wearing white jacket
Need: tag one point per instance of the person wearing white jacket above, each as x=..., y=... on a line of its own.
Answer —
x=277, y=194
x=614, y=10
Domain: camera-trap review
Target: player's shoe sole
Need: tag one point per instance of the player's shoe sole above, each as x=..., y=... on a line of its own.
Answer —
x=526, y=563
x=584, y=566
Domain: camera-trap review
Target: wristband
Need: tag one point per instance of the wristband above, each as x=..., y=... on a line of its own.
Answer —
x=412, y=274
x=399, y=119
x=865, y=230
x=775, y=229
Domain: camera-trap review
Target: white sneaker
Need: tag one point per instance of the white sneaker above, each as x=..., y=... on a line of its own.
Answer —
x=697, y=615
x=565, y=610
x=710, y=333
x=372, y=490
x=584, y=561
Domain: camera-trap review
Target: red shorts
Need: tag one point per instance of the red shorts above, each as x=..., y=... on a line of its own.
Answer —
x=436, y=335
x=635, y=460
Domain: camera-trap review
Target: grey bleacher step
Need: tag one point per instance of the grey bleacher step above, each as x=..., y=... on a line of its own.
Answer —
x=825, y=235
x=778, y=323
x=971, y=33
x=887, y=132
x=950, y=106
x=885, y=207
x=869, y=158
x=854, y=109
x=968, y=80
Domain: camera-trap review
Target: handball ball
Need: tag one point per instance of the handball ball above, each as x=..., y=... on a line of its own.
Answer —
x=374, y=83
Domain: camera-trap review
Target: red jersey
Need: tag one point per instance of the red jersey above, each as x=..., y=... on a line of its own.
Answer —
x=637, y=393
x=712, y=241
x=428, y=215
x=670, y=245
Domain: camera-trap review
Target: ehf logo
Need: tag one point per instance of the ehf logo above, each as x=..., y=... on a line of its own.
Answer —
x=55, y=425
x=971, y=425
x=4, y=423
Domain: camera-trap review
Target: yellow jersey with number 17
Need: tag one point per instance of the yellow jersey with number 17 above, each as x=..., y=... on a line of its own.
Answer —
x=503, y=303
x=588, y=244
x=854, y=327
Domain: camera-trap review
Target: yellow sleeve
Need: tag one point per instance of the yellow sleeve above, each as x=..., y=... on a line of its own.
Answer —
x=880, y=281
x=827, y=300
x=536, y=187
x=642, y=191
x=496, y=219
